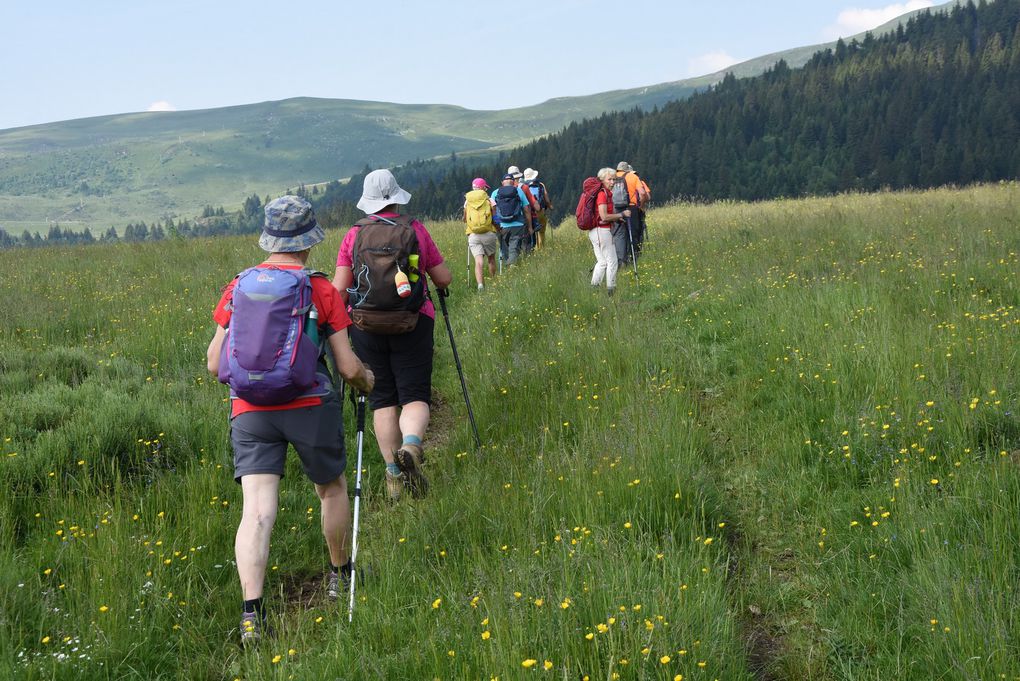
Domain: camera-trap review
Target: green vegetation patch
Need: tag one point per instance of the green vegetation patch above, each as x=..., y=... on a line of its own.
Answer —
x=786, y=449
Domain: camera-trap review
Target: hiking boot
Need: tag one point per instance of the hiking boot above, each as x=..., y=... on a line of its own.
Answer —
x=409, y=460
x=610, y=291
x=253, y=629
x=395, y=485
x=337, y=583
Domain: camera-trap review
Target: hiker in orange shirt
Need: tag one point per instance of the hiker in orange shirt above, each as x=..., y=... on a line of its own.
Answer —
x=624, y=230
x=641, y=233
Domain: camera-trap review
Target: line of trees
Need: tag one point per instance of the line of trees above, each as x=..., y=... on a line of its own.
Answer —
x=936, y=102
x=213, y=222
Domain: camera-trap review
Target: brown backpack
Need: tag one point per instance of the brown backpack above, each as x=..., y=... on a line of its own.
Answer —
x=382, y=247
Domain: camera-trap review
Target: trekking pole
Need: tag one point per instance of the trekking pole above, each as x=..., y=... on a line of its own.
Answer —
x=499, y=252
x=633, y=255
x=357, y=502
x=443, y=293
x=469, y=265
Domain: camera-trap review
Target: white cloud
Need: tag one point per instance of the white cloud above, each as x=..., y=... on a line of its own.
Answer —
x=856, y=20
x=710, y=62
x=162, y=105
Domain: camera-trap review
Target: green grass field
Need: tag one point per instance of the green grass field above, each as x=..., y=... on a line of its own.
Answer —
x=787, y=451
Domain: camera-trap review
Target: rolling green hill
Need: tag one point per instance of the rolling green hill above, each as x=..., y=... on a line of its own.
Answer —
x=113, y=170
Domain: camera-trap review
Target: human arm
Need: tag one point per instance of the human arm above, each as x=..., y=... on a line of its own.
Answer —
x=342, y=280
x=347, y=363
x=440, y=275
x=431, y=258
x=212, y=353
x=642, y=194
x=344, y=276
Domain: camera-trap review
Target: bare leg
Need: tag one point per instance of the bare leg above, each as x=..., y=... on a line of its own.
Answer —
x=478, y=268
x=336, y=519
x=414, y=419
x=251, y=545
x=386, y=422
x=492, y=266
x=393, y=423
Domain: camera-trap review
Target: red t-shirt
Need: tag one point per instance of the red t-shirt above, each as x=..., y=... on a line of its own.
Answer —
x=332, y=318
x=604, y=199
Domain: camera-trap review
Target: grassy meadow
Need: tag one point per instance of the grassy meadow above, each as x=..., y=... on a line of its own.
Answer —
x=788, y=450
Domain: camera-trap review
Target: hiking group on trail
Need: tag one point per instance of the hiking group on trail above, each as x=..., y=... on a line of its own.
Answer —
x=513, y=217
x=278, y=322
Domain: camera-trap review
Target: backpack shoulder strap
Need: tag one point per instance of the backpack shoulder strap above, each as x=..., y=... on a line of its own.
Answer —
x=376, y=219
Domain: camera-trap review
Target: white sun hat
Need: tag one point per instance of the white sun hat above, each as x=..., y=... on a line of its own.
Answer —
x=381, y=189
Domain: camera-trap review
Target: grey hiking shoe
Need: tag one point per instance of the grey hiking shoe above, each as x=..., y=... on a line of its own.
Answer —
x=337, y=584
x=395, y=485
x=252, y=629
x=409, y=459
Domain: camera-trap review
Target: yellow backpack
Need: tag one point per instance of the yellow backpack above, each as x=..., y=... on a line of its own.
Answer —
x=479, y=212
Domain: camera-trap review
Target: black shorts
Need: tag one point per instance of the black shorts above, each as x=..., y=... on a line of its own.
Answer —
x=260, y=440
x=402, y=364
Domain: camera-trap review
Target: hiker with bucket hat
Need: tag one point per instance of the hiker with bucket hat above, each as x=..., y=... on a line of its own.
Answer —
x=381, y=271
x=483, y=242
x=274, y=404
x=540, y=194
x=529, y=243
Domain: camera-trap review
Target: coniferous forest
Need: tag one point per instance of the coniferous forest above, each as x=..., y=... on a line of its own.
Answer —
x=935, y=103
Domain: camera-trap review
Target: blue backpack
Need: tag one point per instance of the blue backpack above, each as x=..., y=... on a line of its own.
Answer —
x=267, y=358
x=508, y=204
x=538, y=191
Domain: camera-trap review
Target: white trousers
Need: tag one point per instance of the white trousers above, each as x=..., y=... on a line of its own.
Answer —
x=605, y=257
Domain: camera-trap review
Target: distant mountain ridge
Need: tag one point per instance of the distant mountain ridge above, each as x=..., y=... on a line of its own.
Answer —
x=113, y=170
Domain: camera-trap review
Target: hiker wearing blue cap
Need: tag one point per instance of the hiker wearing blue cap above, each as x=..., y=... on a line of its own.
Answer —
x=514, y=211
x=266, y=346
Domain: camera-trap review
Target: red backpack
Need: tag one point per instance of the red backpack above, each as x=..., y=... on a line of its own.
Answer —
x=587, y=212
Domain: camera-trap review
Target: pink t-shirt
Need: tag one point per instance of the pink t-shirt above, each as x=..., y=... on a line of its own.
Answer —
x=428, y=256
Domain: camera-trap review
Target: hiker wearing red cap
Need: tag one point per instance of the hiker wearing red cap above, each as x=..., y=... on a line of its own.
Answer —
x=481, y=232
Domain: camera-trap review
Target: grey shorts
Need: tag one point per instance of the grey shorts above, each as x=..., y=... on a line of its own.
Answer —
x=483, y=244
x=260, y=440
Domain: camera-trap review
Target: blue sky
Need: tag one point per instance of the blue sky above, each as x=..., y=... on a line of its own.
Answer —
x=66, y=59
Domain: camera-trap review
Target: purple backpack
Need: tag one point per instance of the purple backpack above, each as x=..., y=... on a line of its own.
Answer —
x=267, y=359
